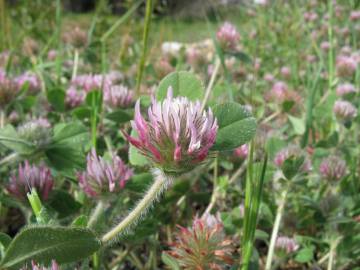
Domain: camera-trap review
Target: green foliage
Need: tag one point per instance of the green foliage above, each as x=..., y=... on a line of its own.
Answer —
x=236, y=126
x=44, y=244
x=183, y=83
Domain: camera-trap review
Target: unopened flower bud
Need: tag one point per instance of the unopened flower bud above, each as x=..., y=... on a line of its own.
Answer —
x=28, y=177
x=333, y=168
x=102, y=176
x=36, y=131
x=292, y=152
x=203, y=246
x=242, y=151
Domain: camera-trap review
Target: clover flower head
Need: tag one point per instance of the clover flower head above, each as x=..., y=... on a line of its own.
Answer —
x=118, y=96
x=292, y=151
x=35, y=266
x=28, y=177
x=242, y=151
x=285, y=72
x=287, y=244
x=203, y=246
x=345, y=65
x=228, y=36
x=28, y=78
x=177, y=136
x=344, y=110
x=102, y=176
x=333, y=168
x=345, y=89
x=355, y=15
x=74, y=97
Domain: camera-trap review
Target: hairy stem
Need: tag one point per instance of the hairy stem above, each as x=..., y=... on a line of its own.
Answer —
x=160, y=184
x=9, y=159
x=99, y=210
x=276, y=227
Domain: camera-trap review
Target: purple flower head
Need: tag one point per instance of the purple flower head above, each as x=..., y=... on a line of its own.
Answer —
x=287, y=244
x=325, y=45
x=203, y=246
x=228, y=36
x=285, y=72
x=74, y=97
x=91, y=82
x=242, y=151
x=118, y=96
x=178, y=135
x=195, y=57
x=355, y=15
x=345, y=89
x=292, y=151
x=102, y=176
x=269, y=77
x=52, y=54
x=278, y=92
x=28, y=177
x=310, y=16
x=346, y=65
x=333, y=168
x=35, y=266
x=28, y=78
x=344, y=110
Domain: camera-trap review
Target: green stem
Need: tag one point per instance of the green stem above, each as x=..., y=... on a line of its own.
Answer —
x=99, y=210
x=215, y=192
x=2, y=119
x=93, y=120
x=149, y=5
x=331, y=49
x=211, y=83
x=9, y=159
x=276, y=227
x=158, y=187
x=58, y=39
x=76, y=63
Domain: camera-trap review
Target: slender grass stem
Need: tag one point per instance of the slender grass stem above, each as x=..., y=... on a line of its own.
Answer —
x=274, y=234
x=331, y=41
x=2, y=119
x=160, y=184
x=211, y=83
x=215, y=192
x=149, y=6
x=58, y=39
x=76, y=63
x=253, y=193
